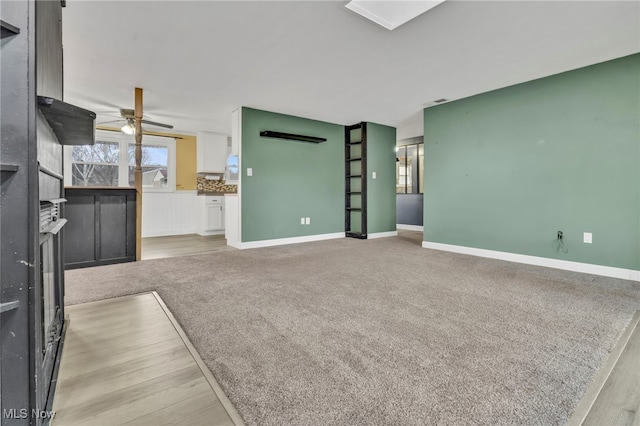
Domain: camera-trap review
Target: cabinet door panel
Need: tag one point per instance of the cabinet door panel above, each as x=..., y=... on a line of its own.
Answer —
x=214, y=217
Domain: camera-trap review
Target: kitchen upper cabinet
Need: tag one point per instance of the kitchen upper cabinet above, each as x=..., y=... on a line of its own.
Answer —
x=212, y=152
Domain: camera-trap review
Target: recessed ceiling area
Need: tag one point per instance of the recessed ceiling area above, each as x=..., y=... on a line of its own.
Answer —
x=391, y=14
x=198, y=61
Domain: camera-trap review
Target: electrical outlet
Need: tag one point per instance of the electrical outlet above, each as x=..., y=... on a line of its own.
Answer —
x=559, y=235
x=249, y=171
x=302, y=221
x=308, y=221
x=588, y=237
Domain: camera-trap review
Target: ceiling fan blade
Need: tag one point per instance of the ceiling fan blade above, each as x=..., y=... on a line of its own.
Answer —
x=112, y=121
x=153, y=123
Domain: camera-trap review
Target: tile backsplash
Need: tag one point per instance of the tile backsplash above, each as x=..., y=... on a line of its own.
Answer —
x=206, y=185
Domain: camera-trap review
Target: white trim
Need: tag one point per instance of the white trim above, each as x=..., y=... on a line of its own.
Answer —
x=236, y=244
x=410, y=227
x=238, y=113
x=382, y=235
x=292, y=240
x=209, y=233
x=168, y=233
x=586, y=268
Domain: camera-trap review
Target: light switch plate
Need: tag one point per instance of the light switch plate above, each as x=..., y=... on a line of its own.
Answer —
x=249, y=171
x=308, y=221
x=302, y=221
x=374, y=175
x=588, y=237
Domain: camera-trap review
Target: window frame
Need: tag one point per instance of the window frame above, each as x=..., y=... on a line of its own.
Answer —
x=123, y=158
x=417, y=184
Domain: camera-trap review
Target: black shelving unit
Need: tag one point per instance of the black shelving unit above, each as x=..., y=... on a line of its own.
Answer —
x=355, y=154
x=31, y=272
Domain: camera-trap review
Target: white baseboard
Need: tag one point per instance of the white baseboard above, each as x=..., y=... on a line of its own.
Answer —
x=207, y=233
x=382, y=235
x=168, y=233
x=587, y=268
x=234, y=244
x=410, y=227
x=292, y=240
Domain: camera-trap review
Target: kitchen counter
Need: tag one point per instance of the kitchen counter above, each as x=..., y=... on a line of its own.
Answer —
x=214, y=193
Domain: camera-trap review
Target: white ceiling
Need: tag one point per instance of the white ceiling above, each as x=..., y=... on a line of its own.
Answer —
x=198, y=61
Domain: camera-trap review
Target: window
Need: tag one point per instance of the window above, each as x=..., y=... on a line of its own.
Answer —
x=111, y=162
x=95, y=165
x=155, y=166
x=409, y=169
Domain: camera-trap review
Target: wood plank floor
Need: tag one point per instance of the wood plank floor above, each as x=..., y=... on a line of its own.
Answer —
x=127, y=361
x=613, y=399
x=182, y=245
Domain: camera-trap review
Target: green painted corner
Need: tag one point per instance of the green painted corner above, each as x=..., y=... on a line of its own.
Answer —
x=506, y=170
x=381, y=192
x=290, y=179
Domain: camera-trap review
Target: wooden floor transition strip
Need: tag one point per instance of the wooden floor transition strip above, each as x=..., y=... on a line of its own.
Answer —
x=613, y=398
x=128, y=361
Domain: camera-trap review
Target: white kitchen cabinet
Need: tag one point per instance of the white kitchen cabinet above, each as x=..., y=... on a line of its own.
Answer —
x=212, y=217
x=215, y=217
x=211, y=152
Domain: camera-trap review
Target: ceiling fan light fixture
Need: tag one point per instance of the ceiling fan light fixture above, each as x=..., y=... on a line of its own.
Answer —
x=128, y=128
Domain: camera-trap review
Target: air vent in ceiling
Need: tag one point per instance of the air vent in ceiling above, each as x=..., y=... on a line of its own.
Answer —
x=436, y=102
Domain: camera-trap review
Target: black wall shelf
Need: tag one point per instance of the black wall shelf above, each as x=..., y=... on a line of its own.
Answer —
x=71, y=124
x=291, y=136
x=8, y=30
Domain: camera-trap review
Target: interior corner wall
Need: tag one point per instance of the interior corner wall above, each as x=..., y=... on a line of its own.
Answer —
x=506, y=170
x=290, y=179
x=186, y=179
x=381, y=191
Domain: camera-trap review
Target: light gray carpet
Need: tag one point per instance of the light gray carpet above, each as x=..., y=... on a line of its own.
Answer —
x=383, y=331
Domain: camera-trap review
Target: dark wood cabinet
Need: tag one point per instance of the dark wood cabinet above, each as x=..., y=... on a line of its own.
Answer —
x=101, y=227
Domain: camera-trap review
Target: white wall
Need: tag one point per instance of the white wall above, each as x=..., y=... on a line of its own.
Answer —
x=172, y=213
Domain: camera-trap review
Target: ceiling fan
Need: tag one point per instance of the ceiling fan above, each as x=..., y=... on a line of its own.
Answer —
x=128, y=116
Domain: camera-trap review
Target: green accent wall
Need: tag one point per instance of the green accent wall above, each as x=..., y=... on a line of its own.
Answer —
x=506, y=170
x=381, y=192
x=290, y=179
